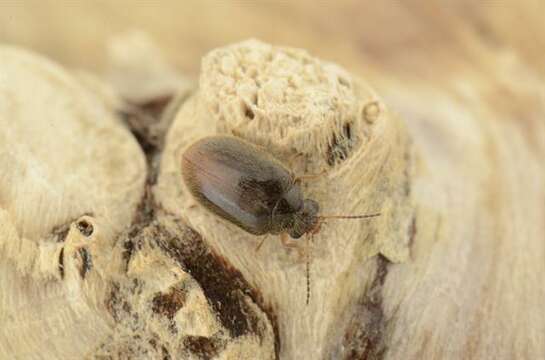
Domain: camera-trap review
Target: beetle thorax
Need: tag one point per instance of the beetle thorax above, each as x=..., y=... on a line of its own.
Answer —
x=293, y=214
x=305, y=220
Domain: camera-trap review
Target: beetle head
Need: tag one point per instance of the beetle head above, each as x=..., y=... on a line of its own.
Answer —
x=304, y=220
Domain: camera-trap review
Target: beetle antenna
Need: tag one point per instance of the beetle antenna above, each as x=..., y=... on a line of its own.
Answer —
x=348, y=216
x=309, y=237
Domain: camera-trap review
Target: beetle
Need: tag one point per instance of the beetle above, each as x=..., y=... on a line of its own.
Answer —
x=250, y=188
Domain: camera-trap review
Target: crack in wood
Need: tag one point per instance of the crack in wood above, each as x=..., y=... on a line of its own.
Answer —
x=363, y=338
x=224, y=286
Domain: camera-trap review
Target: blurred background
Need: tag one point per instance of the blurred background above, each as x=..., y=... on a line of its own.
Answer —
x=421, y=38
x=484, y=54
x=466, y=75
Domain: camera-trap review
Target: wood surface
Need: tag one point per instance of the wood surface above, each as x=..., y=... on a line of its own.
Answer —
x=465, y=78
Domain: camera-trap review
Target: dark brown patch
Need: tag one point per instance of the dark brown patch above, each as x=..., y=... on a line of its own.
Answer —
x=248, y=112
x=363, y=338
x=141, y=118
x=203, y=347
x=118, y=306
x=143, y=343
x=223, y=285
x=85, y=228
x=86, y=262
x=168, y=304
x=128, y=249
x=340, y=146
x=412, y=231
x=61, y=231
x=112, y=301
x=61, y=263
x=165, y=353
x=143, y=217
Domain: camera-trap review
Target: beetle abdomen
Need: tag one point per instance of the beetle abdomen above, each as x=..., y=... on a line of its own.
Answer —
x=235, y=180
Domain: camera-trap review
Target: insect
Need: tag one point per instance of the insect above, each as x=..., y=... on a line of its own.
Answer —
x=248, y=187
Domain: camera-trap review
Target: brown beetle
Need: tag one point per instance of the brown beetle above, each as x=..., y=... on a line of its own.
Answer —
x=248, y=187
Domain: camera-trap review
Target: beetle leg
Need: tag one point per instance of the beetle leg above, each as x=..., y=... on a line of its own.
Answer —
x=309, y=238
x=317, y=227
x=310, y=176
x=292, y=245
x=286, y=241
x=261, y=243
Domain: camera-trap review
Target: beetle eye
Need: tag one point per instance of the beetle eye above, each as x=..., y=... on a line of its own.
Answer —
x=283, y=207
x=311, y=207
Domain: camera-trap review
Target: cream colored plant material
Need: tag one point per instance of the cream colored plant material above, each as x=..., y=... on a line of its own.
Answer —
x=71, y=189
x=103, y=253
x=314, y=117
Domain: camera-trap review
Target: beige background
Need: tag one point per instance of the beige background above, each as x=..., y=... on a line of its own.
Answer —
x=394, y=35
x=466, y=76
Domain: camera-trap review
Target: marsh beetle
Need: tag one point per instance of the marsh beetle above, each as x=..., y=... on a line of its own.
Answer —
x=248, y=187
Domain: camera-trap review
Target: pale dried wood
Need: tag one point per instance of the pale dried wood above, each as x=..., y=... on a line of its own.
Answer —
x=468, y=81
